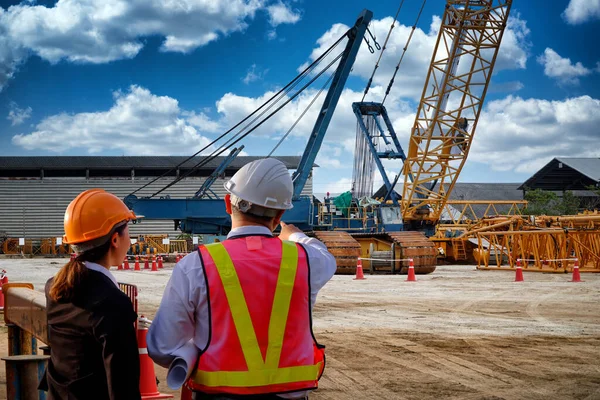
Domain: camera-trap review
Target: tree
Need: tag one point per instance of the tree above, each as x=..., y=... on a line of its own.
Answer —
x=541, y=202
x=569, y=204
x=591, y=203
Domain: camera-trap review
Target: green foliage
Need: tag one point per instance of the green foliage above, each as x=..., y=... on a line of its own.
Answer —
x=541, y=202
x=569, y=204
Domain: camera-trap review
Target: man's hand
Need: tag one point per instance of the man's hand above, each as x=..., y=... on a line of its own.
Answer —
x=287, y=230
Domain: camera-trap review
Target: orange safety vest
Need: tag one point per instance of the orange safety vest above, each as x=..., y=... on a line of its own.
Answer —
x=261, y=338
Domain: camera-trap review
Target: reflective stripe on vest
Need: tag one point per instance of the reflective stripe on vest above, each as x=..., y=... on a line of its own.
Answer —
x=260, y=373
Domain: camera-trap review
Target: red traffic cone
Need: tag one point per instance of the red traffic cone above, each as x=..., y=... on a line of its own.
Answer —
x=154, y=265
x=160, y=262
x=3, y=281
x=136, y=266
x=411, y=271
x=519, y=271
x=359, y=271
x=120, y=266
x=576, y=275
x=126, y=263
x=177, y=258
x=148, y=387
x=147, y=262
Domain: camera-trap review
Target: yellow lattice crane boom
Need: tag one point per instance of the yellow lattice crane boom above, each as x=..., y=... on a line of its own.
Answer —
x=461, y=67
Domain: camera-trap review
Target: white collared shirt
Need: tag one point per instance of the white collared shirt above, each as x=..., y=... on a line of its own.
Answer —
x=183, y=313
x=102, y=270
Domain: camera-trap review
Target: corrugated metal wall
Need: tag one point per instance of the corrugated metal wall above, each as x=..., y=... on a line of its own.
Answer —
x=35, y=208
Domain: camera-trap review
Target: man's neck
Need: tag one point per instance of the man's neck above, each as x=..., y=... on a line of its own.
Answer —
x=238, y=224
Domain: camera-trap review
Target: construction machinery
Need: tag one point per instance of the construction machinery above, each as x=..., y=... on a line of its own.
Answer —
x=392, y=231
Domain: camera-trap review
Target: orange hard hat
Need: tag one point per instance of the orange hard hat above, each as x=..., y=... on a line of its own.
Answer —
x=92, y=215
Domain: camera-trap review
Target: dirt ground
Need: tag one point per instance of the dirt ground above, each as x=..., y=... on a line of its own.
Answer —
x=457, y=333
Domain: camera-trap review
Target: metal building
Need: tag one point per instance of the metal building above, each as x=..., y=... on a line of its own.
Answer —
x=35, y=191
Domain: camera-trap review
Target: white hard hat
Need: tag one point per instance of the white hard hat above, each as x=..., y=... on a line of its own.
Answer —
x=265, y=183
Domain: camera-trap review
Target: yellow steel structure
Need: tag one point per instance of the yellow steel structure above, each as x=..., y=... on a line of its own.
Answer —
x=463, y=60
x=544, y=243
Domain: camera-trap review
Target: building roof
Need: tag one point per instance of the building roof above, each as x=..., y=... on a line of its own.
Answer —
x=127, y=162
x=563, y=173
x=475, y=191
x=121, y=166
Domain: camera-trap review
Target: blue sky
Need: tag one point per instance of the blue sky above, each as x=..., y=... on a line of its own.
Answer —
x=150, y=77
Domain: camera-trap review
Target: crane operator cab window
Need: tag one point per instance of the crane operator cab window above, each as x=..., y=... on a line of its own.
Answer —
x=391, y=215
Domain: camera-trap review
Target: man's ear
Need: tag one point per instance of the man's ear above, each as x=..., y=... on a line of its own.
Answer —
x=228, y=204
x=277, y=218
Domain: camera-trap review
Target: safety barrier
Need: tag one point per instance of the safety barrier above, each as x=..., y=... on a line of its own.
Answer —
x=53, y=246
x=26, y=319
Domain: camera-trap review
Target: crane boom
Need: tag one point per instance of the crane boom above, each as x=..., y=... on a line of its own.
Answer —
x=461, y=67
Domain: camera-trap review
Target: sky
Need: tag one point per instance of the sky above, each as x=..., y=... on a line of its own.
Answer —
x=166, y=77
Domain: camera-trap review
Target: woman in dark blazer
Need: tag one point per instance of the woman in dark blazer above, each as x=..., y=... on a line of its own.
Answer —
x=91, y=333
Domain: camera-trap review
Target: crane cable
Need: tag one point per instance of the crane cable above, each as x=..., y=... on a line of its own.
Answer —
x=301, y=115
x=280, y=93
x=403, y=52
x=226, y=145
x=382, y=51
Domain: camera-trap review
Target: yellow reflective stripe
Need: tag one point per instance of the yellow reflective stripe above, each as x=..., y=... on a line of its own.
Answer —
x=265, y=377
x=237, y=305
x=281, y=303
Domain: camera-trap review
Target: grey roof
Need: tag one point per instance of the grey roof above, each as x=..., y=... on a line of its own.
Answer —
x=127, y=162
x=486, y=191
x=589, y=167
x=477, y=191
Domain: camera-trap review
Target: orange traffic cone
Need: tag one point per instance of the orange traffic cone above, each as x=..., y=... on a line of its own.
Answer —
x=136, y=266
x=154, y=265
x=148, y=387
x=359, y=271
x=519, y=272
x=3, y=281
x=126, y=263
x=146, y=262
x=160, y=262
x=576, y=276
x=411, y=271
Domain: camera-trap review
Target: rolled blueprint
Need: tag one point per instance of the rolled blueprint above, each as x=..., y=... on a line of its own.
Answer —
x=182, y=366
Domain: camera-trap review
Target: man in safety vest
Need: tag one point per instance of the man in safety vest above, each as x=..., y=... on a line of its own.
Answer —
x=246, y=302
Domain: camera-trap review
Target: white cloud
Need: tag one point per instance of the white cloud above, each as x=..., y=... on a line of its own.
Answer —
x=413, y=70
x=512, y=86
x=272, y=35
x=18, y=115
x=521, y=135
x=580, y=11
x=562, y=69
x=139, y=122
x=254, y=74
x=91, y=31
x=281, y=13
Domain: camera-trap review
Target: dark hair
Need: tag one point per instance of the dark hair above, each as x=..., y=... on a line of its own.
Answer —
x=72, y=273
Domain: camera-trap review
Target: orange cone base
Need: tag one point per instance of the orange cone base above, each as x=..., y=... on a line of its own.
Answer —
x=411, y=275
x=157, y=396
x=360, y=276
x=519, y=275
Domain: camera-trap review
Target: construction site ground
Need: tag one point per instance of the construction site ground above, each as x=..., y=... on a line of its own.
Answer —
x=457, y=333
